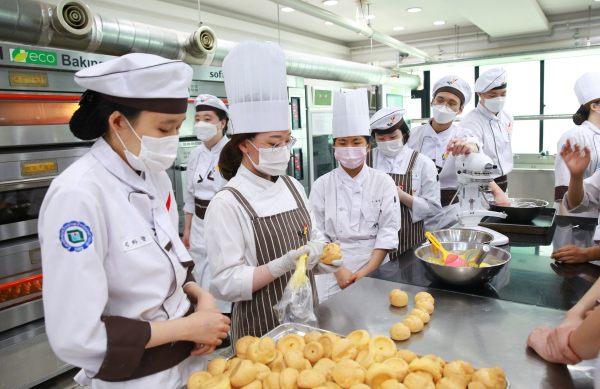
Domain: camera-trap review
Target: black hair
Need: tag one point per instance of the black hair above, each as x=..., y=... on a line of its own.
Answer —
x=220, y=114
x=231, y=156
x=583, y=113
x=403, y=127
x=90, y=121
x=367, y=138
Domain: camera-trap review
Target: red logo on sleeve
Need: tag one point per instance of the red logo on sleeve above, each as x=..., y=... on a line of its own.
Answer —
x=169, y=202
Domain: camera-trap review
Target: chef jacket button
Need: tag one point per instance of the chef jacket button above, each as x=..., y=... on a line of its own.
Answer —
x=341, y=209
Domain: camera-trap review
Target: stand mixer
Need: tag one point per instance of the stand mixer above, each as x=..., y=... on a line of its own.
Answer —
x=474, y=172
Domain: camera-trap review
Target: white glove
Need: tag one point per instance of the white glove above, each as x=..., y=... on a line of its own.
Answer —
x=334, y=267
x=315, y=253
x=282, y=265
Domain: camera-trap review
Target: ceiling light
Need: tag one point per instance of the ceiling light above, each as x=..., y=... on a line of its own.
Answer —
x=373, y=16
x=402, y=28
x=287, y=9
x=331, y=24
x=439, y=23
x=415, y=9
x=334, y=2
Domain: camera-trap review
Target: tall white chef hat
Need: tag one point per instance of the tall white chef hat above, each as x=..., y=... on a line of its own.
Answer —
x=495, y=78
x=207, y=102
x=143, y=81
x=455, y=85
x=256, y=88
x=587, y=87
x=388, y=120
x=351, y=114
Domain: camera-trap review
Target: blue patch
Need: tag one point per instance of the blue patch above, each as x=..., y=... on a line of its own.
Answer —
x=75, y=236
x=598, y=167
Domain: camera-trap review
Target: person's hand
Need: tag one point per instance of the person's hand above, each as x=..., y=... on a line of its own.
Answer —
x=287, y=262
x=458, y=147
x=402, y=195
x=575, y=160
x=500, y=198
x=571, y=254
x=566, y=271
x=551, y=346
x=315, y=253
x=207, y=327
x=333, y=268
x=186, y=239
x=344, y=277
x=201, y=350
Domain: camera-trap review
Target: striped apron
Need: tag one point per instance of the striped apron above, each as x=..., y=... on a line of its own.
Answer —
x=410, y=233
x=274, y=236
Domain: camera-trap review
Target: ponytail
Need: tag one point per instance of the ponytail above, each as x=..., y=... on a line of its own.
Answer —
x=231, y=155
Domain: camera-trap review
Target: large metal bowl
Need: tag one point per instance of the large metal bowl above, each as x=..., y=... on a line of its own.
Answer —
x=462, y=276
x=462, y=235
x=516, y=215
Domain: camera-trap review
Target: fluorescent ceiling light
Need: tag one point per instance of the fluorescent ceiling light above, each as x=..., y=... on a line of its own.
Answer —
x=439, y=23
x=287, y=9
x=373, y=16
x=402, y=28
x=331, y=24
x=334, y=2
x=415, y=9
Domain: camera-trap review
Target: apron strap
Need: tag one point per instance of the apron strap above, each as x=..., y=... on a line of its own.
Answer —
x=413, y=161
x=294, y=191
x=370, y=158
x=242, y=200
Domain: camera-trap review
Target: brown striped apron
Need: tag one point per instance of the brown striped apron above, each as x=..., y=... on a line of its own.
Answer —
x=411, y=233
x=274, y=236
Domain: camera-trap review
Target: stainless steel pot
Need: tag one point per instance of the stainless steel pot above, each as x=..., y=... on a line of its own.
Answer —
x=517, y=215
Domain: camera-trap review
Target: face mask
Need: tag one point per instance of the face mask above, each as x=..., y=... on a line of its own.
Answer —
x=496, y=104
x=351, y=157
x=443, y=114
x=271, y=162
x=156, y=154
x=205, y=131
x=390, y=148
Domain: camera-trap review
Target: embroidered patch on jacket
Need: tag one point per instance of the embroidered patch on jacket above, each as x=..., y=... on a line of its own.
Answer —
x=304, y=232
x=75, y=236
x=169, y=202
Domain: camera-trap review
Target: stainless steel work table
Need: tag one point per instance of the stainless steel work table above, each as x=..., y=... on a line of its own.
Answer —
x=483, y=331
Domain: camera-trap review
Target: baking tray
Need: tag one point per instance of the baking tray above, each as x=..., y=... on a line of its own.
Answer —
x=541, y=225
x=301, y=329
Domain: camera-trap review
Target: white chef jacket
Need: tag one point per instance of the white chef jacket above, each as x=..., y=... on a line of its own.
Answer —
x=587, y=134
x=425, y=184
x=203, y=181
x=232, y=251
x=493, y=134
x=122, y=269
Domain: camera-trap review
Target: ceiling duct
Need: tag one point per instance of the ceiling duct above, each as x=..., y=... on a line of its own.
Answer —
x=72, y=26
x=352, y=25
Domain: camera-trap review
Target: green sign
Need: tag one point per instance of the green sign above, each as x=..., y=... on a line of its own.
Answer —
x=323, y=97
x=75, y=236
x=32, y=56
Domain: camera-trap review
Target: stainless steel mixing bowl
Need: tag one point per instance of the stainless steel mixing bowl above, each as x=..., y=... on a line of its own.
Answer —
x=463, y=276
x=462, y=235
x=516, y=215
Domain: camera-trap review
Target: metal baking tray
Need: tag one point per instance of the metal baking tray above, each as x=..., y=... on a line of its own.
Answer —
x=541, y=225
x=301, y=329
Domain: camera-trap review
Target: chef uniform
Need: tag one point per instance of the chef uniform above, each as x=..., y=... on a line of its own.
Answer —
x=414, y=173
x=587, y=89
x=203, y=181
x=493, y=133
x=113, y=259
x=252, y=220
x=428, y=142
x=362, y=213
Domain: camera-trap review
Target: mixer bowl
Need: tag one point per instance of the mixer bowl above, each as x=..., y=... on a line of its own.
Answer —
x=520, y=215
x=462, y=235
x=462, y=276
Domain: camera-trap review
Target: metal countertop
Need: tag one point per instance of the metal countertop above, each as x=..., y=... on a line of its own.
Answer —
x=531, y=277
x=485, y=332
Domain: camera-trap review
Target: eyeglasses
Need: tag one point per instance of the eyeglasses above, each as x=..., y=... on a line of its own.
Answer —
x=281, y=145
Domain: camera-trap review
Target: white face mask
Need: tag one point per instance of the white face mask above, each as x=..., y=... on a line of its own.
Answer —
x=271, y=162
x=496, y=104
x=205, y=131
x=156, y=154
x=442, y=114
x=391, y=148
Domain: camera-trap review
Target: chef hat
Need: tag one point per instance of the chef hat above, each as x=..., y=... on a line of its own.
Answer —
x=256, y=87
x=143, y=81
x=351, y=114
x=492, y=79
x=210, y=103
x=387, y=120
x=455, y=85
x=587, y=87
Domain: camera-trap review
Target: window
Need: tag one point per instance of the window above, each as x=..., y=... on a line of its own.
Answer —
x=522, y=98
x=466, y=73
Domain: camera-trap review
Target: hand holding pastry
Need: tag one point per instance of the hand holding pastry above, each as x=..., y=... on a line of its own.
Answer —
x=331, y=261
x=315, y=253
